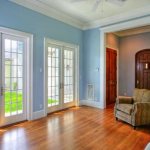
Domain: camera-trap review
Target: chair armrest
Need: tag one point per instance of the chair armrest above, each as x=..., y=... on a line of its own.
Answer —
x=141, y=113
x=124, y=100
x=142, y=108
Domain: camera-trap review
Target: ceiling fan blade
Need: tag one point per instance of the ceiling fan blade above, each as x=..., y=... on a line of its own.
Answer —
x=95, y=6
x=117, y=2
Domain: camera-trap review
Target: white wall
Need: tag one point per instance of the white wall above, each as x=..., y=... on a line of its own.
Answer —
x=112, y=41
x=129, y=46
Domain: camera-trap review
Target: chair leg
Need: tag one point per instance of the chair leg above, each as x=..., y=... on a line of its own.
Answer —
x=134, y=127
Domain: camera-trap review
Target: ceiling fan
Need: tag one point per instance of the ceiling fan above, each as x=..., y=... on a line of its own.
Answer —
x=97, y=2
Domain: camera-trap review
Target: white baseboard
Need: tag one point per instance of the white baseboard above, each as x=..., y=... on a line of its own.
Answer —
x=38, y=114
x=90, y=103
x=41, y=113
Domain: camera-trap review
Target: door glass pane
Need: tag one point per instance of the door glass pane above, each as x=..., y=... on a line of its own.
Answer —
x=53, y=76
x=68, y=76
x=13, y=76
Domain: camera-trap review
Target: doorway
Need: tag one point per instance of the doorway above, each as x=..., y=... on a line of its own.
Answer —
x=14, y=76
x=142, y=69
x=111, y=76
x=113, y=28
x=60, y=76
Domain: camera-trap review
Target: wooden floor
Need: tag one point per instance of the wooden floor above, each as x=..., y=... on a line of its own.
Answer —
x=81, y=128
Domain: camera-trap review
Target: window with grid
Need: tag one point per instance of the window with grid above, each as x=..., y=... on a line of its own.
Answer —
x=13, y=66
x=68, y=76
x=53, y=76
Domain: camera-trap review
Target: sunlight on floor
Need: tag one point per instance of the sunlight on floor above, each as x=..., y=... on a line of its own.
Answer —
x=2, y=130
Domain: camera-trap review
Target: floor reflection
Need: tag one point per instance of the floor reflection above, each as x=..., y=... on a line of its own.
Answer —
x=13, y=139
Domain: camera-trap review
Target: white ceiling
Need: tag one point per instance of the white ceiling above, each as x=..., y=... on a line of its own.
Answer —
x=80, y=14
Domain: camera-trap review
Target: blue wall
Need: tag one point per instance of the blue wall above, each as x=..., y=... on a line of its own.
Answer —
x=91, y=61
x=19, y=18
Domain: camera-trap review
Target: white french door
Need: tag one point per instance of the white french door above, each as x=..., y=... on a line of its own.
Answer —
x=60, y=77
x=12, y=79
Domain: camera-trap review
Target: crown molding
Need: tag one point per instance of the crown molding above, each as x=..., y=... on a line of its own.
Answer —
x=134, y=31
x=137, y=13
x=50, y=12
x=53, y=13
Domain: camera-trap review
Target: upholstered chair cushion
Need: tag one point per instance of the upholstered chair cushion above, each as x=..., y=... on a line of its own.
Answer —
x=137, y=95
x=146, y=96
x=126, y=108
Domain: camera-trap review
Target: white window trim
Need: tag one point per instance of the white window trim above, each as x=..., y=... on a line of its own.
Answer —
x=29, y=39
x=112, y=28
x=76, y=47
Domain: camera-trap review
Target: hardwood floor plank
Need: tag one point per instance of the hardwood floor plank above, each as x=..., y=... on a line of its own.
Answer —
x=78, y=128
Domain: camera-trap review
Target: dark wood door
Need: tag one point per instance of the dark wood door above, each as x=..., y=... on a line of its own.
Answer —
x=142, y=69
x=111, y=76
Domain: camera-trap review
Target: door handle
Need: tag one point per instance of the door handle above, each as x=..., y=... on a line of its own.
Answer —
x=137, y=82
x=61, y=85
x=2, y=91
x=111, y=82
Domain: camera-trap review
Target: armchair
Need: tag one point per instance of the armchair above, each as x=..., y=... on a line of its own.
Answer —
x=134, y=110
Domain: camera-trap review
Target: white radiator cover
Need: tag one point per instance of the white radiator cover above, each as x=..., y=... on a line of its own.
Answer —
x=90, y=92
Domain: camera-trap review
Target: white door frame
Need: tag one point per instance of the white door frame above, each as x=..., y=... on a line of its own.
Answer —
x=76, y=47
x=29, y=66
x=112, y=28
